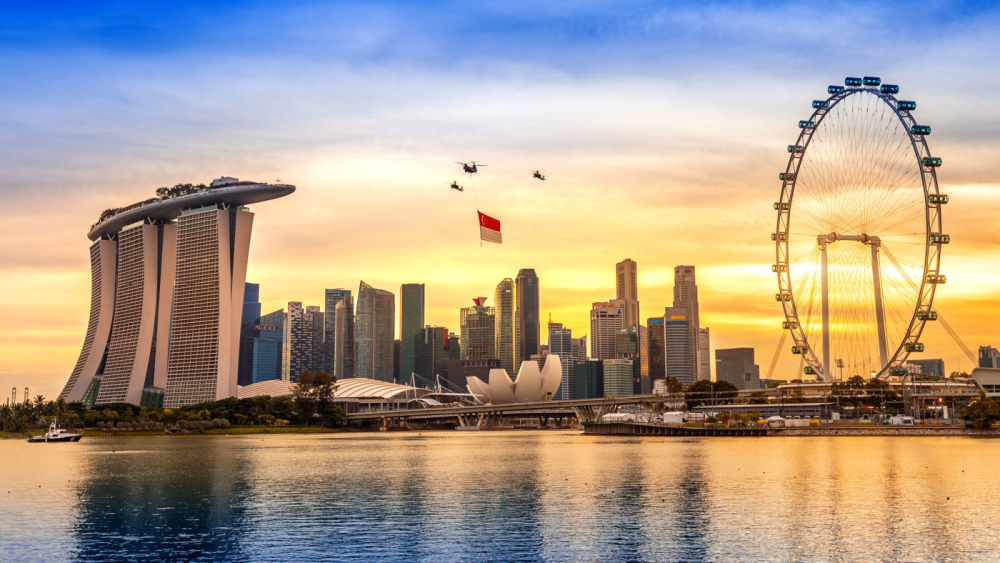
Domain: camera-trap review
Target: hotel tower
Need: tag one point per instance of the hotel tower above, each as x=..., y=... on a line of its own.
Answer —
x=167, y=281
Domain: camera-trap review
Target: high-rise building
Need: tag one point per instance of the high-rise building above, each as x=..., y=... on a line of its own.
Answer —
x=686, y=297
x=396, y=348
x=677, y=346
x=606, y=320
x=736, y=366
x=580, y=348
x=411, y=296
x=297, y=342
x=374, y=333
x=933, y=367
x=316, y=321
x=989, y=357
x=627, y=290
x=704, y=351
x=261, y=349
x=248, y=332
x=454, y=347
x=627, y=348
x=168, y=279
x=331, y=298
x=588, y=379
x=431, y=352
x=478, y=326
x=656, y=350
x=527, y=326
x=251, y=303
x=561, y=344
x=505, y=303
x=619, y=378
x=344, y=352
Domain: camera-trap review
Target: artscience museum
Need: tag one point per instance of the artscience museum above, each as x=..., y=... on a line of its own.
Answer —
x=531, y=386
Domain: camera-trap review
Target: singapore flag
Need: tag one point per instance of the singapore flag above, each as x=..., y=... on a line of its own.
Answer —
x=489, y=229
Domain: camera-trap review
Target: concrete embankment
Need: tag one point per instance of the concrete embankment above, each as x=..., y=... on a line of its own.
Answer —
x=641, y=429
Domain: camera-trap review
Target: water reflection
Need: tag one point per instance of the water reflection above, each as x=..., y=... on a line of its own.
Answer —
x=500, y=496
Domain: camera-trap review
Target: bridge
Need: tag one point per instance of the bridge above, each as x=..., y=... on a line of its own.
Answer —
x=483, y=416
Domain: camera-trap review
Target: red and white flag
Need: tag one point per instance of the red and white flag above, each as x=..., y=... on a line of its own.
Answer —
x=489, y=229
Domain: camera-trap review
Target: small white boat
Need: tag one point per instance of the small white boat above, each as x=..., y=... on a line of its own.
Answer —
x=56, y=434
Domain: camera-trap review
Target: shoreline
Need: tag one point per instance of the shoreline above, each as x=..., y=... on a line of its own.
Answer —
x=641, y=429
x=215, y=432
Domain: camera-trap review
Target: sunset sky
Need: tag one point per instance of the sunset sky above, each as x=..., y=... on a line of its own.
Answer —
x=661, y=127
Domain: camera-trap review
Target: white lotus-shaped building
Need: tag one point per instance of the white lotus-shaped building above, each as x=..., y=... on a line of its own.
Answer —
x=531, y=385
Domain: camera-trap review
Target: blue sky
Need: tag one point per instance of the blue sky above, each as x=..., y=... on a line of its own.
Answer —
x=670, y=116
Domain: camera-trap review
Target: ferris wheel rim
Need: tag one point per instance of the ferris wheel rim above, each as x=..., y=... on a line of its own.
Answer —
x=932, y=218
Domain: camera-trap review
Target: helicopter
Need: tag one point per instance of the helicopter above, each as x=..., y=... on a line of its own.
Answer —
x=470, y=167
x=538, y=174
x=455, y=186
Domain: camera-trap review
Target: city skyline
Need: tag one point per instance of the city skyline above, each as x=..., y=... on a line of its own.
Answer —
x=370, y=132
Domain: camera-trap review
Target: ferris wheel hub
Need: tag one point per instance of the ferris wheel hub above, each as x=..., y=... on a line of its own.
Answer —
x=834, y=237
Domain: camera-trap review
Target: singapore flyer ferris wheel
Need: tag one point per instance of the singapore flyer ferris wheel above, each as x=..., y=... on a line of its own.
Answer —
x=859, y=233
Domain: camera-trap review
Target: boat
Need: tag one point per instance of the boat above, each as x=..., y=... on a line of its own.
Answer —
x=56, y=434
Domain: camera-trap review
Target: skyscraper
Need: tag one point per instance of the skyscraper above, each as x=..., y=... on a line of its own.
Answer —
x=374, y=333
x=686, y=297
x=605, y=322
x=478, y=327
x=580, y=348
x=504, y=304
x=736, y=366
x=431, y=352
x=627, y=289
x=656, y=350
x=561, y=344
x=316, y=321
x=251, y=303
x=261, y=350
x=679, y=351
x=704, y=353
x=331, y=298
x=344, y=345
x=618, y=378
x=411, y=321
x=527, y=327
x=168, y=277
x=297, y=342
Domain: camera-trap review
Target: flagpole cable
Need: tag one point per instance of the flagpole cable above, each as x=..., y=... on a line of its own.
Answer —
x=475, y=199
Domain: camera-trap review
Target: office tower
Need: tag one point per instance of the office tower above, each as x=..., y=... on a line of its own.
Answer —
x=251, y=303
x=619, y=378
x=656, y=350
x=505, y=304
x=677, y=345
x=580, y=348
x=143, y=292
x=627, y=290
x=297, y=342
x=478, y=327
x=933, y=367
x=454, y=347
x=374, y=333
x=588, y=379
x=527, y=327
x=176, y=265
x=605, y=322
x=686, y=297
x=736, y=366
x=248, y=332
x=704, y=351
x=261, y=349
x=627, y=348
x=431, y=352
x=317, y=328
x=411, y=321
x=989, y=357
x=331, y=298
x=561, y=344
x=345, y=353
x=396, y=347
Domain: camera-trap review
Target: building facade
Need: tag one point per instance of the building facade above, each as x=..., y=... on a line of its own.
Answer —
x=317, y=329
x=686, y=297
x=374, y=333
x=411, y=322
x=330, y=299
x=657, y=349
x=618, y=378
x=344, y=352
x=561, y=344
x=527, y=325
x=627, y=290
x=678, y=350
x=736, y=365
x=504, y=305
x=934, y=367
x=606, y=319
x=704, y=353
x=478, y=328
x=431, y=352
x=588, y=379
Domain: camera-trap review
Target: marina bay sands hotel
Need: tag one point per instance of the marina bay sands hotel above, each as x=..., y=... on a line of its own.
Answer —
x=167, y=280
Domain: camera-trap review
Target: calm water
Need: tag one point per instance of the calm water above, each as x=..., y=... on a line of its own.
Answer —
x=500, y=497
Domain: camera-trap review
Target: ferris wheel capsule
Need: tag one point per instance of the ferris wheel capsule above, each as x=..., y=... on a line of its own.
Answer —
x=921, y=130
x=835, y=90
x=872, y=81
x=889, y=89
x=906, y=105
x=852, y=82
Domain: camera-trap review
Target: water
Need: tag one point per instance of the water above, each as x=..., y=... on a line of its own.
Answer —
x=514, y=496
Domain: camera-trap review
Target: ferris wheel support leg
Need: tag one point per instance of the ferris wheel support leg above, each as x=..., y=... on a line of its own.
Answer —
x=826, y=309
x=879, y=313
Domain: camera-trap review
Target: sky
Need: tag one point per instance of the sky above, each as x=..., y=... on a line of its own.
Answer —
x=661, y=128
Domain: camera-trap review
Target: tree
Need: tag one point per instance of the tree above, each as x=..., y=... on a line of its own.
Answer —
x=959, y=374
x=673, y=386
x=333, y=414
x=313, y=392
x=758, y=398
x=699, y=393
x=982, y=412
